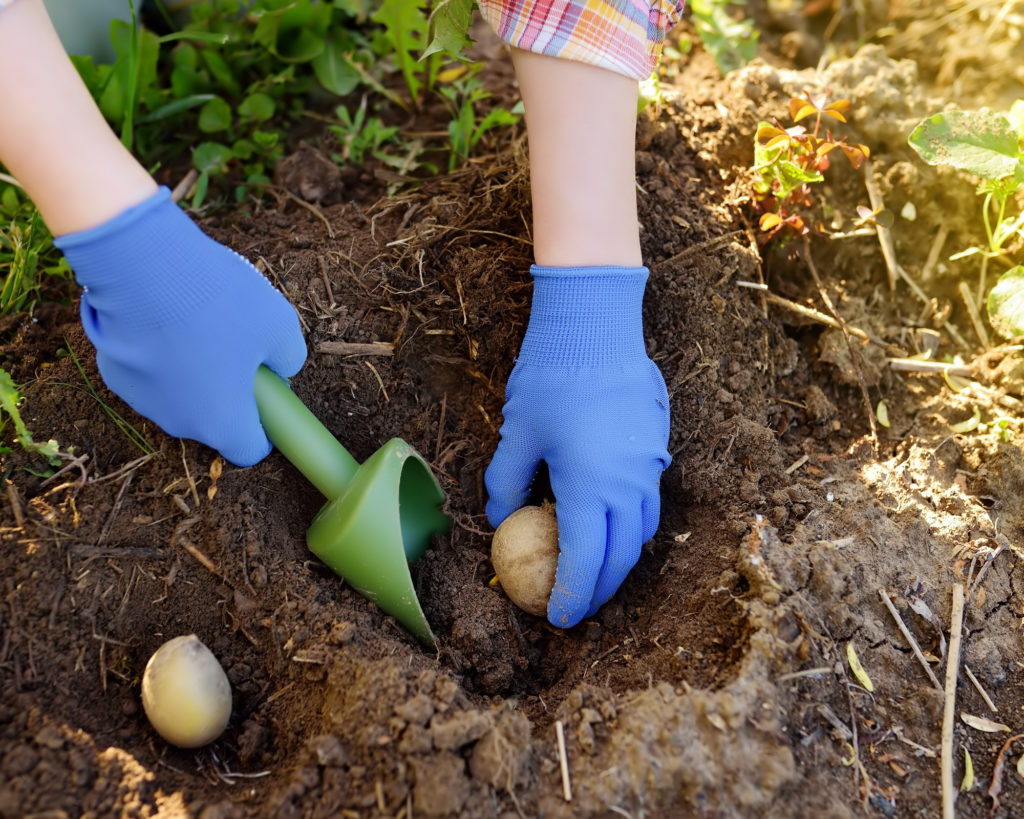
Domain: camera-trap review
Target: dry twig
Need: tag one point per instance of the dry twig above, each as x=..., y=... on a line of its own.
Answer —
x=909, y=638
x=913, y=365
x=356, y=348
x=984, y=695
x=815, y=315
x=563, y=762
x=949, y=711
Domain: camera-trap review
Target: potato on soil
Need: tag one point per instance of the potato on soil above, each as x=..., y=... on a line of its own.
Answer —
x=186, y=693
x=525, y=556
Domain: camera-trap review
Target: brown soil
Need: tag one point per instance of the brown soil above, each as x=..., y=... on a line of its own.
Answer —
x=715, y=683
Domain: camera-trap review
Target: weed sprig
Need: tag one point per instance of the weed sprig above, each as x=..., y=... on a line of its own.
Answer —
x=790, y=160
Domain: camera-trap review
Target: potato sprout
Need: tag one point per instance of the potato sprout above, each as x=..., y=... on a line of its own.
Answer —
x=186, y=693
x=525, y=556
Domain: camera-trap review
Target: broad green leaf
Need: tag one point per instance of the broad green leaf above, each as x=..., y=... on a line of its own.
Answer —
x=449, y=28
x=211, y=157
x=257, y=106
x=791, y=176
x=1006, y=303
x=215, y=116
x=979, y=142
x=333, y=68
x=296, y=31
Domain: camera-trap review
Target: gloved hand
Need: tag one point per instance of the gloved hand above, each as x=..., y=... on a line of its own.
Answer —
x=181, y=324
x=585, y=398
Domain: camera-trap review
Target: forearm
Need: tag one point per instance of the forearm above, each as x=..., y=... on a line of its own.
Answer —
x=581, y=123
x=53, y=138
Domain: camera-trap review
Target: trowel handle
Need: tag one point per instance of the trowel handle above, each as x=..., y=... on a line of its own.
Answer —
x=302, y=439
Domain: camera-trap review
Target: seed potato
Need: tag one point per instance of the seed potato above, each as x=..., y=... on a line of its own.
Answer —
x=185, y=693
x=524, y=553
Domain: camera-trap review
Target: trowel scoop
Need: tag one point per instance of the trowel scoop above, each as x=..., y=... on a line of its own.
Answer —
x=378, y=517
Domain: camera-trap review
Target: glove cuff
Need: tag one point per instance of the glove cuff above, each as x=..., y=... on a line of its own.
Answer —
x=129, y=264
x=585, y=316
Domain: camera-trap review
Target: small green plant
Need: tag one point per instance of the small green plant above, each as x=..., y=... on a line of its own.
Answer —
x=987, y=144
x=407, y=32
x=790, y=160
x=27, y=255
x=360, y=136
x=9, y=398
x=733, y=43
x=461, y=95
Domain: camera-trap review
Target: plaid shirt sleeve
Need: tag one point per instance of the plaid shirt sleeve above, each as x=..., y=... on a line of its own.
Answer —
x=625, y=36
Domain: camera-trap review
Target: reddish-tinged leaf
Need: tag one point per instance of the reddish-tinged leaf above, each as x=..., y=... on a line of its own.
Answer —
x=842, y=106
x=834, y=115
x=766, y=132
x=770, y=220
x=855, y=154
x=795, y=105
x=781, y=139
x=825, y=147
x=804, y=111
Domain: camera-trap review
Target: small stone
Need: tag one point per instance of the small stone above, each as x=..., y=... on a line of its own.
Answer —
x=328, y=750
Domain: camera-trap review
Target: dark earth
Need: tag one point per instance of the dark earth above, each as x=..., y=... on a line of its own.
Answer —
x=716, y=683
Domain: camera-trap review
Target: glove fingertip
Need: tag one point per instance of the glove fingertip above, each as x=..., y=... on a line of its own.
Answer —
x=245, y=443
x=246, y=455
x=287, y=358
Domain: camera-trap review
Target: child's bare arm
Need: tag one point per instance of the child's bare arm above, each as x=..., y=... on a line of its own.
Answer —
x=53, y=138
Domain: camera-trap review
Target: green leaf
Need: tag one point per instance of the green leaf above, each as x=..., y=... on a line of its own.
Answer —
x=979, y=142
x=295, y=31
x=215, y=116
x=9, y=397
x=405, y=27
x=221, y=71
x=448, y=30
x=1006, y=303
x=1016, y=118
x=211, y=157
x=257, y=106
x=333, y=68
x=176, y=107
x=733, y=43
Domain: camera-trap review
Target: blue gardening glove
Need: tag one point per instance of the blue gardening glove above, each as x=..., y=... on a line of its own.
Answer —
x=585, y=398
x=181, y=324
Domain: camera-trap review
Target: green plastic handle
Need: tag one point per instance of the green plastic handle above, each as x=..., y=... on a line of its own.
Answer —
x=300, y=436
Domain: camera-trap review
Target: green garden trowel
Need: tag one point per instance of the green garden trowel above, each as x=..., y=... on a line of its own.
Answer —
x=378, y=517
